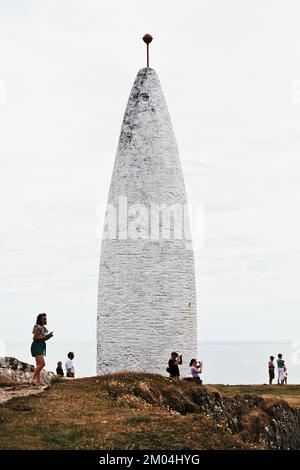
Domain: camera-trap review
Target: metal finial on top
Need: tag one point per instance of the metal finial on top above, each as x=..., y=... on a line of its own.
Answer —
x=147, y=39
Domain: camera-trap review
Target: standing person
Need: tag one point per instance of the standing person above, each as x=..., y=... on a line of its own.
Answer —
x=196, y=370
x=70, y=370
x=38, y=346
x=173, y=364
x=280, y=371
x=285, y=374
x=59, y=369
x=271, y=367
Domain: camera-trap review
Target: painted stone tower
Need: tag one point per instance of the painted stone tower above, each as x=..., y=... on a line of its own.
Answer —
x=146, y=293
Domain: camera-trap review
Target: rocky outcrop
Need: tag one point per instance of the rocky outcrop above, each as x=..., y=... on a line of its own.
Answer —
x=264, y=423
x=273, y=424
x=21, y=372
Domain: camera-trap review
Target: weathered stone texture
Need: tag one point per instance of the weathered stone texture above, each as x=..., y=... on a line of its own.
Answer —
x=147, y=299
x=22, y=372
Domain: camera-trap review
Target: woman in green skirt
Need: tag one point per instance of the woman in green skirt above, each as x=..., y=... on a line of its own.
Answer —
x=38, y=347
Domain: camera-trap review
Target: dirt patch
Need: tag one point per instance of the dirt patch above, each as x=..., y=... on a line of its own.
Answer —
x=16, y=391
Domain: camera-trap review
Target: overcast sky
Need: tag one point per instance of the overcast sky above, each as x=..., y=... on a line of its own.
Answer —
x=230, y=71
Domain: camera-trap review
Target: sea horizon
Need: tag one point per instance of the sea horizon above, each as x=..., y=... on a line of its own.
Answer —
x=224, y=361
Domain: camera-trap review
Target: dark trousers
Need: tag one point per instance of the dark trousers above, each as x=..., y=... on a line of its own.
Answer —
x=197, y=380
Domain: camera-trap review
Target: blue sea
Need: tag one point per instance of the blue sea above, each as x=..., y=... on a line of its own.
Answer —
x=226, y=362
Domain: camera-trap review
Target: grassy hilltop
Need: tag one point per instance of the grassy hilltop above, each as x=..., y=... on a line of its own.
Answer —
x=145, y=411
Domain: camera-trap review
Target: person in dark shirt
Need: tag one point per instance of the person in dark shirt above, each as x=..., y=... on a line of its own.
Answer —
x=59, y=369
x=173, y=364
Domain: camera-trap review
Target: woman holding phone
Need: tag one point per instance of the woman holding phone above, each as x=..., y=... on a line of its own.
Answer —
x=38, y=346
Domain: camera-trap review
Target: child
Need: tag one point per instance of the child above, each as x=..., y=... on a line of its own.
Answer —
x=59, y=369
x=285, y=374
x=70, y=370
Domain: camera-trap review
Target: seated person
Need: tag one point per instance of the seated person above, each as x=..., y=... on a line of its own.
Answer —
x=59, y=369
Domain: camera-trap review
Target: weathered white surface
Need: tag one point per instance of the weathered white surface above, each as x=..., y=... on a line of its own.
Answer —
x=147, y=299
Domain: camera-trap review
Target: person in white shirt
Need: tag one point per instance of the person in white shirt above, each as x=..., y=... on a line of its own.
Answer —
x=70, y=370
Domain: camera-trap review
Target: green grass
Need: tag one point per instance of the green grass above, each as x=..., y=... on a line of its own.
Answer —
x=123, y=411
x=289, y=393
x=137, y=420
